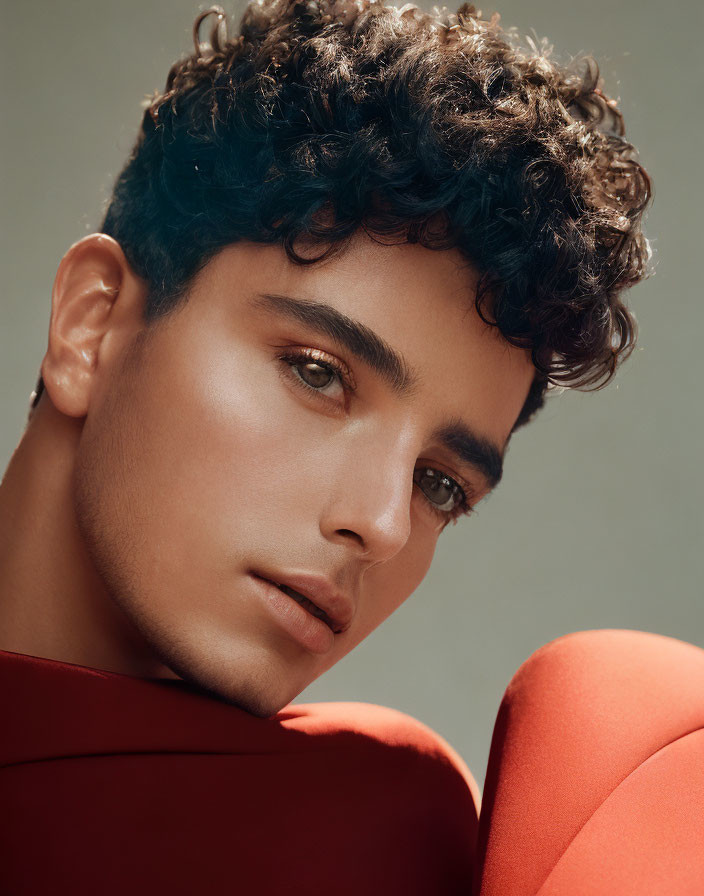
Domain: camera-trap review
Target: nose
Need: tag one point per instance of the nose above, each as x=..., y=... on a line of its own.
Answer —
x=370, y=504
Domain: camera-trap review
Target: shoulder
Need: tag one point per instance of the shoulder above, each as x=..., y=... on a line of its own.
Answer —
x=371, y=722
x=390, y=737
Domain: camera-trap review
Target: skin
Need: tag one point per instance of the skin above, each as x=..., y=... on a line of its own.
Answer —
x=164, y=462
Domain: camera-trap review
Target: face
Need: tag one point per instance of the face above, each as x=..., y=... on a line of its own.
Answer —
x=264, y=477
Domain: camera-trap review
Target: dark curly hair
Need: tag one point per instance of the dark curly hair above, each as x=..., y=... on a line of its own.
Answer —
x=322, y=117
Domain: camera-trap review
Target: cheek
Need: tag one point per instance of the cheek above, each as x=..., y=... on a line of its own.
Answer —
x=198, y=459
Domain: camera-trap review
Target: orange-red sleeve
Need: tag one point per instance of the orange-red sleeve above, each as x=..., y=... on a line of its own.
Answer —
x=595, y=781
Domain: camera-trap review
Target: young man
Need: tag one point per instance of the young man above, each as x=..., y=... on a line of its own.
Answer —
x=350, y=250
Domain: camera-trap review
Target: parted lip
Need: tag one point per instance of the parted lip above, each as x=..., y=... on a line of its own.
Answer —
x=337, y=606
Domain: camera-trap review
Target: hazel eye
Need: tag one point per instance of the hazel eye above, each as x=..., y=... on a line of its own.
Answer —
x=315, y=374
x=442, y=491
x=327, y=380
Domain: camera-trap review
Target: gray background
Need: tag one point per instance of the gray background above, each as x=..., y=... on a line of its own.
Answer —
x=598, y=522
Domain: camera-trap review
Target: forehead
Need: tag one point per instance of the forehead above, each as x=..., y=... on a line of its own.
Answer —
x=419, y=301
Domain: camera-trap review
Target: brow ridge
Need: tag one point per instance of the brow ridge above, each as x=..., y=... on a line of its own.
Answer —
x=473, y=449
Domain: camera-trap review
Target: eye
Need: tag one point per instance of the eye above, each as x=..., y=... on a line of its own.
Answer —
x=445, y=496
x=315, y=374
x=318, y=373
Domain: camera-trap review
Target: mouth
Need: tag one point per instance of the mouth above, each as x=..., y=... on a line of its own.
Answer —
x=307, y=604
x=297, y=615
x=317, y=595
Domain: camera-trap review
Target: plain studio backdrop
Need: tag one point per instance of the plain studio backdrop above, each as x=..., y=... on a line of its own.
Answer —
x=598, y=520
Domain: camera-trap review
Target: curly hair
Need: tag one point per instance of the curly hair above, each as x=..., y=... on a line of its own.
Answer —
x=439, y=128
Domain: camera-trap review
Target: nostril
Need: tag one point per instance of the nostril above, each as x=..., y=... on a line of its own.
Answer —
x=355, y=535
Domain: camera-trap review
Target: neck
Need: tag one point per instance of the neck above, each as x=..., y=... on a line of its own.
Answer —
x=53, y=603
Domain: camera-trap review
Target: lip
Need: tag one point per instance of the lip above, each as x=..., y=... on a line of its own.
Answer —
x=311, y=633
x=337, y=606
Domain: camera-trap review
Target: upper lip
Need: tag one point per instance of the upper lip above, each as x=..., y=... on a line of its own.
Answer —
x=338, y=606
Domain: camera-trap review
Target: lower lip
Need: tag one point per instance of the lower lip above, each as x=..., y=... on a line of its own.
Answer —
x=310, y=632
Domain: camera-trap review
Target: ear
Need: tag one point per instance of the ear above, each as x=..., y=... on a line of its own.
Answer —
x=96, y=309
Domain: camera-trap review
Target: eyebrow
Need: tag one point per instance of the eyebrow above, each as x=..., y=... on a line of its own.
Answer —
x=468, y=446
x=357, y=338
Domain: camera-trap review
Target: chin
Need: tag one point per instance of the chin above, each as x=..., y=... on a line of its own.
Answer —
x=254, y=701
x=259, y=692
x=262, y=706
x=258, y=677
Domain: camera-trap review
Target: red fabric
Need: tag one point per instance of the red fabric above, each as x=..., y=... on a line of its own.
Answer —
x=595, y=781
x=111, y=784
x=595, y=785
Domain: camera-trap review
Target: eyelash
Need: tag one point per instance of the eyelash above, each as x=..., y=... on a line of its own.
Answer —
x=293, y=358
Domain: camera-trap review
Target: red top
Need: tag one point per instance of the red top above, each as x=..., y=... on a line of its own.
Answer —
x=112, y=784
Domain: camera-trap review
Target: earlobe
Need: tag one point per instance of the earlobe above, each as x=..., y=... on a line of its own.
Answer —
x=96, y=295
